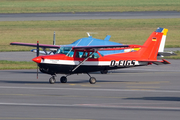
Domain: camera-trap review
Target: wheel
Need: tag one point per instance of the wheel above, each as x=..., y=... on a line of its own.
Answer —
x=63, y=79
x=92, y=80
x=52, y=80
x=104, y=71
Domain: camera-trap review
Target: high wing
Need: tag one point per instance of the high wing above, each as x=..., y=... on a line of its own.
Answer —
x=105, y=47
x=35, y=45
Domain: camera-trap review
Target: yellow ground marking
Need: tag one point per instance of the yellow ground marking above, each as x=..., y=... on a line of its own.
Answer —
x=142, y=87
x=72, y=84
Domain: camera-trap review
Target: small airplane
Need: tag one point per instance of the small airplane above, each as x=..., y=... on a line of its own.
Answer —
x=90, y=41
x=87, y=41
x=71, y=60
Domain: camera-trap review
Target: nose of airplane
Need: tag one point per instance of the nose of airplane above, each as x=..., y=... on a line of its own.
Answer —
x=37, y=59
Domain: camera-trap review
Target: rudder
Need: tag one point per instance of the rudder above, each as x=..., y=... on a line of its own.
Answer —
x=151, y=47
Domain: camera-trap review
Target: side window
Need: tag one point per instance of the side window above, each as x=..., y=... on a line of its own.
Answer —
x=84, y=55
x=81, y=54
x=94, y=56
x=70, y=53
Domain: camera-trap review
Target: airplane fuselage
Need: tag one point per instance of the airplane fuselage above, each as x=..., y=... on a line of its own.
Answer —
x=64, y=64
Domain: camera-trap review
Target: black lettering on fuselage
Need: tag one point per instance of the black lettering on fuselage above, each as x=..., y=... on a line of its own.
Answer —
x=113, y=63
x=122, y=63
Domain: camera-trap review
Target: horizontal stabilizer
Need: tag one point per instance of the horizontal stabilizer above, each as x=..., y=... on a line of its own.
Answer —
x=166, y=53
x=161, y=62
x=157, y=62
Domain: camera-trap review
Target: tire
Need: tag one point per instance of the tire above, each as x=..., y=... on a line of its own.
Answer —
x=92, y=80
x=63, y=79
x=52, y=80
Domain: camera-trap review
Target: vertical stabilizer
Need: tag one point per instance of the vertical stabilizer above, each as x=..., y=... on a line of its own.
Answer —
x=107, y=38
x=164, y=31
x=151, y=46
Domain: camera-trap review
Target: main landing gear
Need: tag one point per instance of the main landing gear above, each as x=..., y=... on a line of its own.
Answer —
x=63, y=79
x=52, y=79
x=92, y=80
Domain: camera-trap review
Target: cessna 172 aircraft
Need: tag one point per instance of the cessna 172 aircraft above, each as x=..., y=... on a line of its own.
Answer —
x=90, y=41
x=85, y=59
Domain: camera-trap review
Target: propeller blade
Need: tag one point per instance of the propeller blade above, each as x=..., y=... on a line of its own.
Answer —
x=37, y=56
x=37, y=48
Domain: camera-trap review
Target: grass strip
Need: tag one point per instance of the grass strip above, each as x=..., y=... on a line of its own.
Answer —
x=4, y=65
x=44, y=6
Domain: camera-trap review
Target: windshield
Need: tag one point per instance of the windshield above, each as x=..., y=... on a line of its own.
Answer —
x=65, y=50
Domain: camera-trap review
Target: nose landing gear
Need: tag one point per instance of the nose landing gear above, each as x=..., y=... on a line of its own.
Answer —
x=52, y=79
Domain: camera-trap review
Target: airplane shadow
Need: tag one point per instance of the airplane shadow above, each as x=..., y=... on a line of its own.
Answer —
x=98, y=81
x=156, y=98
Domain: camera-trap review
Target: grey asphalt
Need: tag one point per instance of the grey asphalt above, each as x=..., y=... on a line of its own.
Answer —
x=142, y=93
x=89, y=15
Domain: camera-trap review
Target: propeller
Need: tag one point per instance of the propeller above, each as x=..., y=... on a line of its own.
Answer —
x=37, y=54
x=37, y=49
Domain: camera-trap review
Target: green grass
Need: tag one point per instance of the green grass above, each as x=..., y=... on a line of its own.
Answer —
x=39, y=6
x=4, y=64
x=126, y=31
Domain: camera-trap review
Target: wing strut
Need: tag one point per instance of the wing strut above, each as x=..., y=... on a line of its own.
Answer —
x=83, y=61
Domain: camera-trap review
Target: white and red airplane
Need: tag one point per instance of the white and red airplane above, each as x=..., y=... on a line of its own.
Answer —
x=86, y=59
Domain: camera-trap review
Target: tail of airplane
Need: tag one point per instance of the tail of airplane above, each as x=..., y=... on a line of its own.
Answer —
x=163, y=40
x=153, y=44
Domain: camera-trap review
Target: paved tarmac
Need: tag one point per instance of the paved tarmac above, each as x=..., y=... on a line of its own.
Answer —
x=89, y=15
x=141, y=93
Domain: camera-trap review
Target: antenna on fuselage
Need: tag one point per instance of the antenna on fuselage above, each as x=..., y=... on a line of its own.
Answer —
x=88, y=33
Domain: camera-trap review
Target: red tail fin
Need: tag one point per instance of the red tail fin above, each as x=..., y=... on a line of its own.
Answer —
x=150, y=51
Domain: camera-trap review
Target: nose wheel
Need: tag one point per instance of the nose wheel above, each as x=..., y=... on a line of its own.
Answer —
x=52, y=80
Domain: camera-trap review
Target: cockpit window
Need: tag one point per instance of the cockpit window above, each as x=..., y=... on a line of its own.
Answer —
x=65, y=50
x=80, y=54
